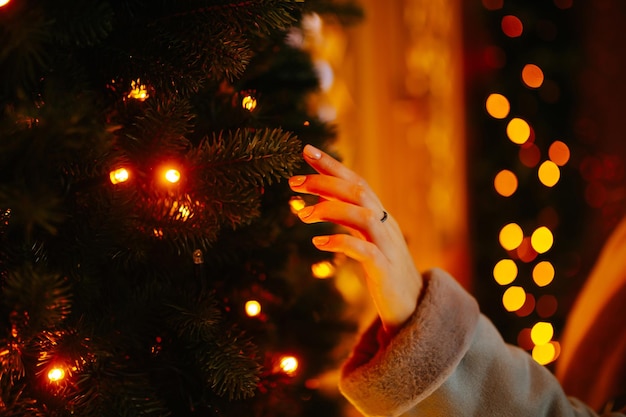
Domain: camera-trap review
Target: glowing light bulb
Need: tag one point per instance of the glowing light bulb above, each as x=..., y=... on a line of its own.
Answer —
x=172, y=175
x=541, y=333
x=56, y=374
x=511, y=236
x=138, y=91
x=497, y=106
x=248, y=103
x=288, y=364
x=253, y=308
x=514, y=298
x=296, y=204
x=323, y=269
x=505, y=271
x=542, y=239
x=119, y=175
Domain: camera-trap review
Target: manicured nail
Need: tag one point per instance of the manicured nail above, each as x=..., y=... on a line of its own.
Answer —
x=297, y=180
x=321, y=240
x=312, y=152
x=306, y=212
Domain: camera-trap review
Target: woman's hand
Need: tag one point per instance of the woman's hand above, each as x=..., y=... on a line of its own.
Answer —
x=376, y=240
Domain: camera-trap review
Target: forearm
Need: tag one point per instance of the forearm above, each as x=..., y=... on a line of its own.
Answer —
x=449, y=360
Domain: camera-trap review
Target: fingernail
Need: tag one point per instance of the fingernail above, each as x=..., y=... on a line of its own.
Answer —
x=297, y=180
x=312, y=152
x=321, y=240
x=306, y=212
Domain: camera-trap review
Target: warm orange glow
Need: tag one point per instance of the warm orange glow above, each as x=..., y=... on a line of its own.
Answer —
x=543, y=273
x=253, y=308
x=323, y=269
x=518, y=130
x=4, y=2
x=138, y=91
x=248, y=103
x=511, y=236
x=513, y=298
x=559, y=153
x=497, y=106
x=119, y=175
x=505, y=183
x=549, y=173
x=288, y=364
x=56, y=374
x=532, y=76
x=542, y=239
x=512, y=26
x=172, y=175
x=505, y=271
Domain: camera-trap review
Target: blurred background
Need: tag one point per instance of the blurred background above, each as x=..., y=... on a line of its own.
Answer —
x=492, y=130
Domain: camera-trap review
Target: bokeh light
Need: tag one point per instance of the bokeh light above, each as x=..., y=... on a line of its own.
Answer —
x=513, y=298
x=505, y=271
x=528, y=307
x=323, y=269
x=532, y=76
x=4, y=2
x=511, y=236
x=525, y=251
x=518, y=130
x=512, y=26
x=549, y=173
x=505, y=183
x=541, y=333
x=296, y=204
x=543, y=273
x=559, y=153
x=542, y=239
x=497, y=106
x=253, y=308
x=544, y=354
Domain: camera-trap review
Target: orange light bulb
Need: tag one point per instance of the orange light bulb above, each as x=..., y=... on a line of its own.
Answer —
x=56, y=374
x=248, y=103
x=119, y=175
x=172, y=175
x=289, y=365
x=253, y=308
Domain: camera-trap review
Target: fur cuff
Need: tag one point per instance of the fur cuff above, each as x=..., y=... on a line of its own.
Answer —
x=387, y=380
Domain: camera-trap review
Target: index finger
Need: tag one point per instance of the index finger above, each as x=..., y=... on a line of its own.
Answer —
x=327, y=165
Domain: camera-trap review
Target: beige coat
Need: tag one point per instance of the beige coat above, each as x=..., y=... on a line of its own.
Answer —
x=449, y=360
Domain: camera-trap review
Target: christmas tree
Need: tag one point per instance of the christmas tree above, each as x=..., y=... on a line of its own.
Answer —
x=150, y=260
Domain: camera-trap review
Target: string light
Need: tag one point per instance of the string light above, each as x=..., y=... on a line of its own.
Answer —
x=518, y=130
x=56, y=374
x=532, y=76
x=323, y=269
x=511, y=236
x=138, y=91
x=296, y=204
x=288, y=364
x=171, y=175
x=497, y=106
x=253, y=308
x=505, y=271
x=513, y=298
x=248, y=103
x=119, y=175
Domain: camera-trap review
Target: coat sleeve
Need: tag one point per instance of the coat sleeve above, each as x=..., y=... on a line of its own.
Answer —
x=449, y=360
